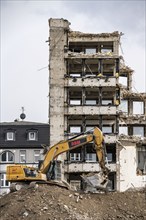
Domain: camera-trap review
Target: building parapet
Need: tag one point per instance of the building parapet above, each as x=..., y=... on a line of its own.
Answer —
x=75, y=36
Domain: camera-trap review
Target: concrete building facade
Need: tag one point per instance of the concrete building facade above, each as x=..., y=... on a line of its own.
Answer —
x=89, y=85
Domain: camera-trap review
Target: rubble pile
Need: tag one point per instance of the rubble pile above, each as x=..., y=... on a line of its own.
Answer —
x=55, y=203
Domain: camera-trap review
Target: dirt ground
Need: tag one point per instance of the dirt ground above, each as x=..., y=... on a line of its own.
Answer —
x=56, y=203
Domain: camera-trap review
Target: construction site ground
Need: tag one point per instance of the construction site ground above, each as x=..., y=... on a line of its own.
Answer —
x=55, y=203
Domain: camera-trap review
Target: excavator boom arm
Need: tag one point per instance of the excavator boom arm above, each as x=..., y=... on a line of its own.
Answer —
x=63, y=146
x=67, y=145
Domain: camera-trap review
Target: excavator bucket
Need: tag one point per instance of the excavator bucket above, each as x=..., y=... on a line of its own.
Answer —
x=95, y=182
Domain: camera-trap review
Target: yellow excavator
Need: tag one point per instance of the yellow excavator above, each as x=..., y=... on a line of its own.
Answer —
x=19, y=175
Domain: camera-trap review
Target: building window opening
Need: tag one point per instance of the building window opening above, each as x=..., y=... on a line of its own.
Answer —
x=107, y=129
x=90, y=74
x=123, y=81
x=36, y=156
x=75, y=129
x=32, y=135
x=91, y=102
x=22, y=156
x=10, y=136
x=91, y=157
x=90, y=50
x=111, y=153
x=123, y=130
x=76, y=75
x=75, y=102
x=141, y=166
x=89, y=128
x=138, y=108
x=107, y=102
x=7, y=157
x=110, y=157
x=3, y=181
x=138, y=131
x=124, y=106
x=75, y=156
x=106, y=50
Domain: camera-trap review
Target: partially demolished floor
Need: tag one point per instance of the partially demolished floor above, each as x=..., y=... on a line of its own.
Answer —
x=56, y=203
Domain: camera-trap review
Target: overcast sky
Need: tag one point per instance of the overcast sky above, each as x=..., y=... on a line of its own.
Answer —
x=24, y=30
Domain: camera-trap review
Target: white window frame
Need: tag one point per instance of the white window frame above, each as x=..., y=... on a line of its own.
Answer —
x=75, y=156
x=7, y=157
x=90, y=157
x=141, y=154
x=34, y=138
x=10, y=136
x=37, y=155
x=4, y=182
x=22, y=156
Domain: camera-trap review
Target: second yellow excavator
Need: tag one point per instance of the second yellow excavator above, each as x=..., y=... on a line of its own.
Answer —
x=19, y=174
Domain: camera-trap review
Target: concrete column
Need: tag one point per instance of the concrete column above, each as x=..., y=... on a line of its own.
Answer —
x=130, y=107
x=129, y=81
x=117, y=124
x=117, y=65
x=83, y=67
x=100, y=122
x=83, y=96
x=116, y=47
x=83, y=123
x=100, y=96
x=58, y=39
x=100, y=66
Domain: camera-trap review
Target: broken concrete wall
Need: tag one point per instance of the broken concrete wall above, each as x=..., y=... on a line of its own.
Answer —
x=128, y=177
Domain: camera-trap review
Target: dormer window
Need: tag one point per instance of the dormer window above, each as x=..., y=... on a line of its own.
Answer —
x=32, y=135
x=10, y=136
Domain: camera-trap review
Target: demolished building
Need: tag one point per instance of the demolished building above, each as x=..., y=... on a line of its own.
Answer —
x=89, y=85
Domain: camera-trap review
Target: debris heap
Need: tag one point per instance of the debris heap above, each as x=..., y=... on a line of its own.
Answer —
x=56, y=203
